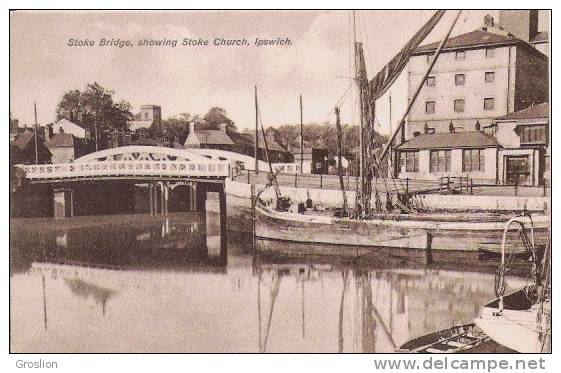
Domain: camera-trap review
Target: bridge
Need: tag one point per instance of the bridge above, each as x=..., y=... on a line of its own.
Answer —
x=133, y=179
x=133, y=162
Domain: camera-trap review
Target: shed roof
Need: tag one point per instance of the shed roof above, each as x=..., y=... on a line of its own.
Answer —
x=23, y=140
x=60, y=140
x=468, y=139
x=532, y=112
x=213, y=137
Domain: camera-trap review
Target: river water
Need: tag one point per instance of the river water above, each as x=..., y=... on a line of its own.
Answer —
x=144, y=284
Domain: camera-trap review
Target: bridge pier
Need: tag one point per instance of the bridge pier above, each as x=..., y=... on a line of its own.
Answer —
x=159, y=198
x=200, y=197
x=63, y=206
x=223, y=220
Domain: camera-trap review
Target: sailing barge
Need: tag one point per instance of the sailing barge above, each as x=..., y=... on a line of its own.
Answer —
x=404, y=222
x=421, y=231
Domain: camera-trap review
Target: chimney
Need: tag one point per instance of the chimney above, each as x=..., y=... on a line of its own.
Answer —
x=522, y=23
x=488, y=21
x=223, y=127
x=49, y=131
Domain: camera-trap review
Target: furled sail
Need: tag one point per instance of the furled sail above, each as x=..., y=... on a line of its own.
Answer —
x=372, y=90
x=389, y=73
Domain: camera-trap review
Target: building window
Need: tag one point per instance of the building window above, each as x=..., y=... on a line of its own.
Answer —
x=489, y=52
x=409, y=161
x=460, y=79
x=145, y=115
x=532, y=134
x=473, y=160
x=429, y=58
x=488, y=103
x=431, y=81
x=440, y=161
x=430, y=107
x=489, y=76
x=459, y=105
x=460, y=55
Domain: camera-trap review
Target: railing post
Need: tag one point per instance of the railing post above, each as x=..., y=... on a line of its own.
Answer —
x=248, y=177
x=321, y=181
x=471, y=187
x=296, y=180
x=407, y=186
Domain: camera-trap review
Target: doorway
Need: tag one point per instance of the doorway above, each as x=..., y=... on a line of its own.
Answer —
x=518, y=170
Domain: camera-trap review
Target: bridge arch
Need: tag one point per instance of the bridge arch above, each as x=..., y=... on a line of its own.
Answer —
x=141, y=153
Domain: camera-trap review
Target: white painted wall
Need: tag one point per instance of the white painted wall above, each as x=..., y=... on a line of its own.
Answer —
x=473, y=91
x=456, y=166
x=69, y=127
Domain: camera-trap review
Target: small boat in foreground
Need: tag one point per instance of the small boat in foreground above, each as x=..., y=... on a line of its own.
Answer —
x=521, y=320
x=456, y=339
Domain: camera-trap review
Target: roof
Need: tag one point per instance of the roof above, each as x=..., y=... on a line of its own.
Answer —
x=66, y=121
x=540, y=37
x=137, y=124
x=23, y=139
x=473, y=39
x=272, y=144
x=213, y=137
x=533, y=112
x=468, y=139
x=60, y=140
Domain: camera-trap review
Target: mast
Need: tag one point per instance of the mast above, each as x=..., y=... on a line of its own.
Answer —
x=339, y=165
x=361, y=152
x=390, y=158
x=256, y=149
x=36, y=151
x=416, y=94
x=301, y=138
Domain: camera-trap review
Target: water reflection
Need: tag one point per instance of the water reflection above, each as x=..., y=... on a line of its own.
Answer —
x=167, y=285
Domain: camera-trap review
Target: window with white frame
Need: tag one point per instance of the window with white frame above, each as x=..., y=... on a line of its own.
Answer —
x=460, y=55
x=460, y=79
x=409, y=161
x=440, y=161
x=488, y=103
x=473, y=160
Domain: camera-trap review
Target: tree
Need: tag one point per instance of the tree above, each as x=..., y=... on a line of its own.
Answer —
x=217, y=116
x=92, y=106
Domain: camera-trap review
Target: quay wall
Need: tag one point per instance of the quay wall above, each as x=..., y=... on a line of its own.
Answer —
x=237, y=192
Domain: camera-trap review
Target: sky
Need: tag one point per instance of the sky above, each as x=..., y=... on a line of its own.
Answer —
x=192, y=79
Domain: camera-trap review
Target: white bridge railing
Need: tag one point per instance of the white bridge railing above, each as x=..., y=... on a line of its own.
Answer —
x=127, y=168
